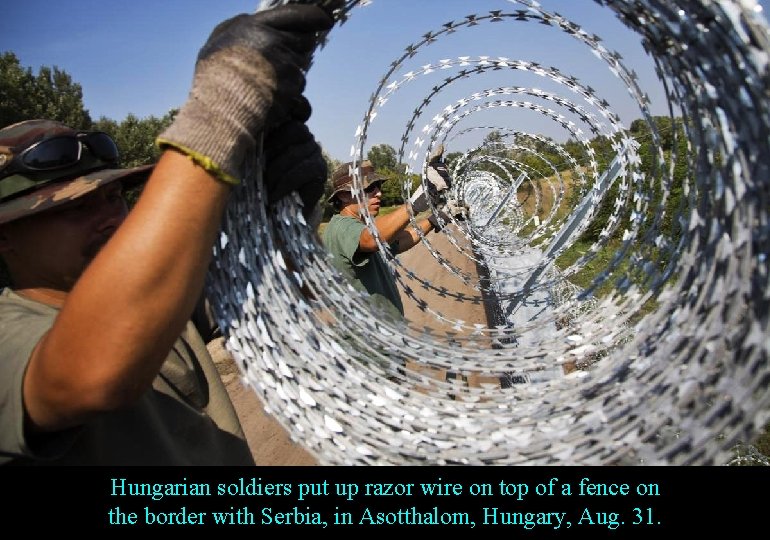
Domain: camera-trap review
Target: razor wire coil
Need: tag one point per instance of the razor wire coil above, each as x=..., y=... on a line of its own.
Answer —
x=680, y=383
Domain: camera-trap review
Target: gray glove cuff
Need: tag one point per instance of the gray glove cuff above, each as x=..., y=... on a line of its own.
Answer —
x=215, y=125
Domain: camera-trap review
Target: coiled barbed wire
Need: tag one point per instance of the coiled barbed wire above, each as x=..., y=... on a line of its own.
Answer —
x=672, y=355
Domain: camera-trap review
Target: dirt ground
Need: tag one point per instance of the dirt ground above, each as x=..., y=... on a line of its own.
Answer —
x=269, y=442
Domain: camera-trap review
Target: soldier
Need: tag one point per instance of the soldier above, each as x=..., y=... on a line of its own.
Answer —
x=353, y=245
x=99, y=363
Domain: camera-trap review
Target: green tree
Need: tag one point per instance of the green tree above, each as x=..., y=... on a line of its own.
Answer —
x=574, y=149
x=451, y=159
x=383, y=157
x=391, y=188
x=135, y=136
x=492, y=138
x=50, y=94
x=331, y=165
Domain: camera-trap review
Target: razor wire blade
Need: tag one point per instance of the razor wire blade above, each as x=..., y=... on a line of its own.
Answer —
x=670, y=339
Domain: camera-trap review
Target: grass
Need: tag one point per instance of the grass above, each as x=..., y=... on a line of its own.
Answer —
x=601, y=260
x=763, y=441
x=385, y=210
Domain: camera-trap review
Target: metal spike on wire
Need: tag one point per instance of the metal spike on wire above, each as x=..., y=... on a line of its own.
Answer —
x=672, y=356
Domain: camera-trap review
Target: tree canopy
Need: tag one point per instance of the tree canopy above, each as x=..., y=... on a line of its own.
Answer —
x=383, y=157
x=135, y=136
x=50, y=94
x=53, y=95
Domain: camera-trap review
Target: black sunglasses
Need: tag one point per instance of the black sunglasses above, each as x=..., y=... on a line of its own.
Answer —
x=373, y=188
x=62, y=151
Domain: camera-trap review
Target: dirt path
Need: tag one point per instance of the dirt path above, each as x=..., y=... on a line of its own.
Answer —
x=424, y=264
x=269, y=442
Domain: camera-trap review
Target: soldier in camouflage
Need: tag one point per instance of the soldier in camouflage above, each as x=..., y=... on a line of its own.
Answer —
x=99, y=362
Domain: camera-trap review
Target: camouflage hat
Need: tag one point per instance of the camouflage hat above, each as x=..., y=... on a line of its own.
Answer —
x=27, y=193
x=342, y=177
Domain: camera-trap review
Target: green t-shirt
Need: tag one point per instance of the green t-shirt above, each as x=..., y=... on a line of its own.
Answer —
x=186, y=418
x=367, y=270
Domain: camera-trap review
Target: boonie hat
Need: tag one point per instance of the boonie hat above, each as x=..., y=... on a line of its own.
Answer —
x=342, y=177
x=27, y=192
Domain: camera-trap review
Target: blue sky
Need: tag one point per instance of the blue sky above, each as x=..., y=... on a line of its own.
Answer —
x=138, y=57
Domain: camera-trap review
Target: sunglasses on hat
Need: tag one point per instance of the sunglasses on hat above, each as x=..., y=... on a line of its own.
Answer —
x=61, y=152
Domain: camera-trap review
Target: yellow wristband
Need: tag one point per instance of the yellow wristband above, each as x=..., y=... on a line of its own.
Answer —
x=200, y=160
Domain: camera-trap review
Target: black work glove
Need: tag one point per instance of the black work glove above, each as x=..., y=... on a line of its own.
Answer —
x=438, y=174
x=436, y=162
x=438, y=220
x=249, y=76
x=294, y=162
x=452, y=209
x=435, y=186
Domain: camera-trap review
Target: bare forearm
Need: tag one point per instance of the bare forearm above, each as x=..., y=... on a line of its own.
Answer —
x=408, y=237
x=123, y=315
x=388, y=227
